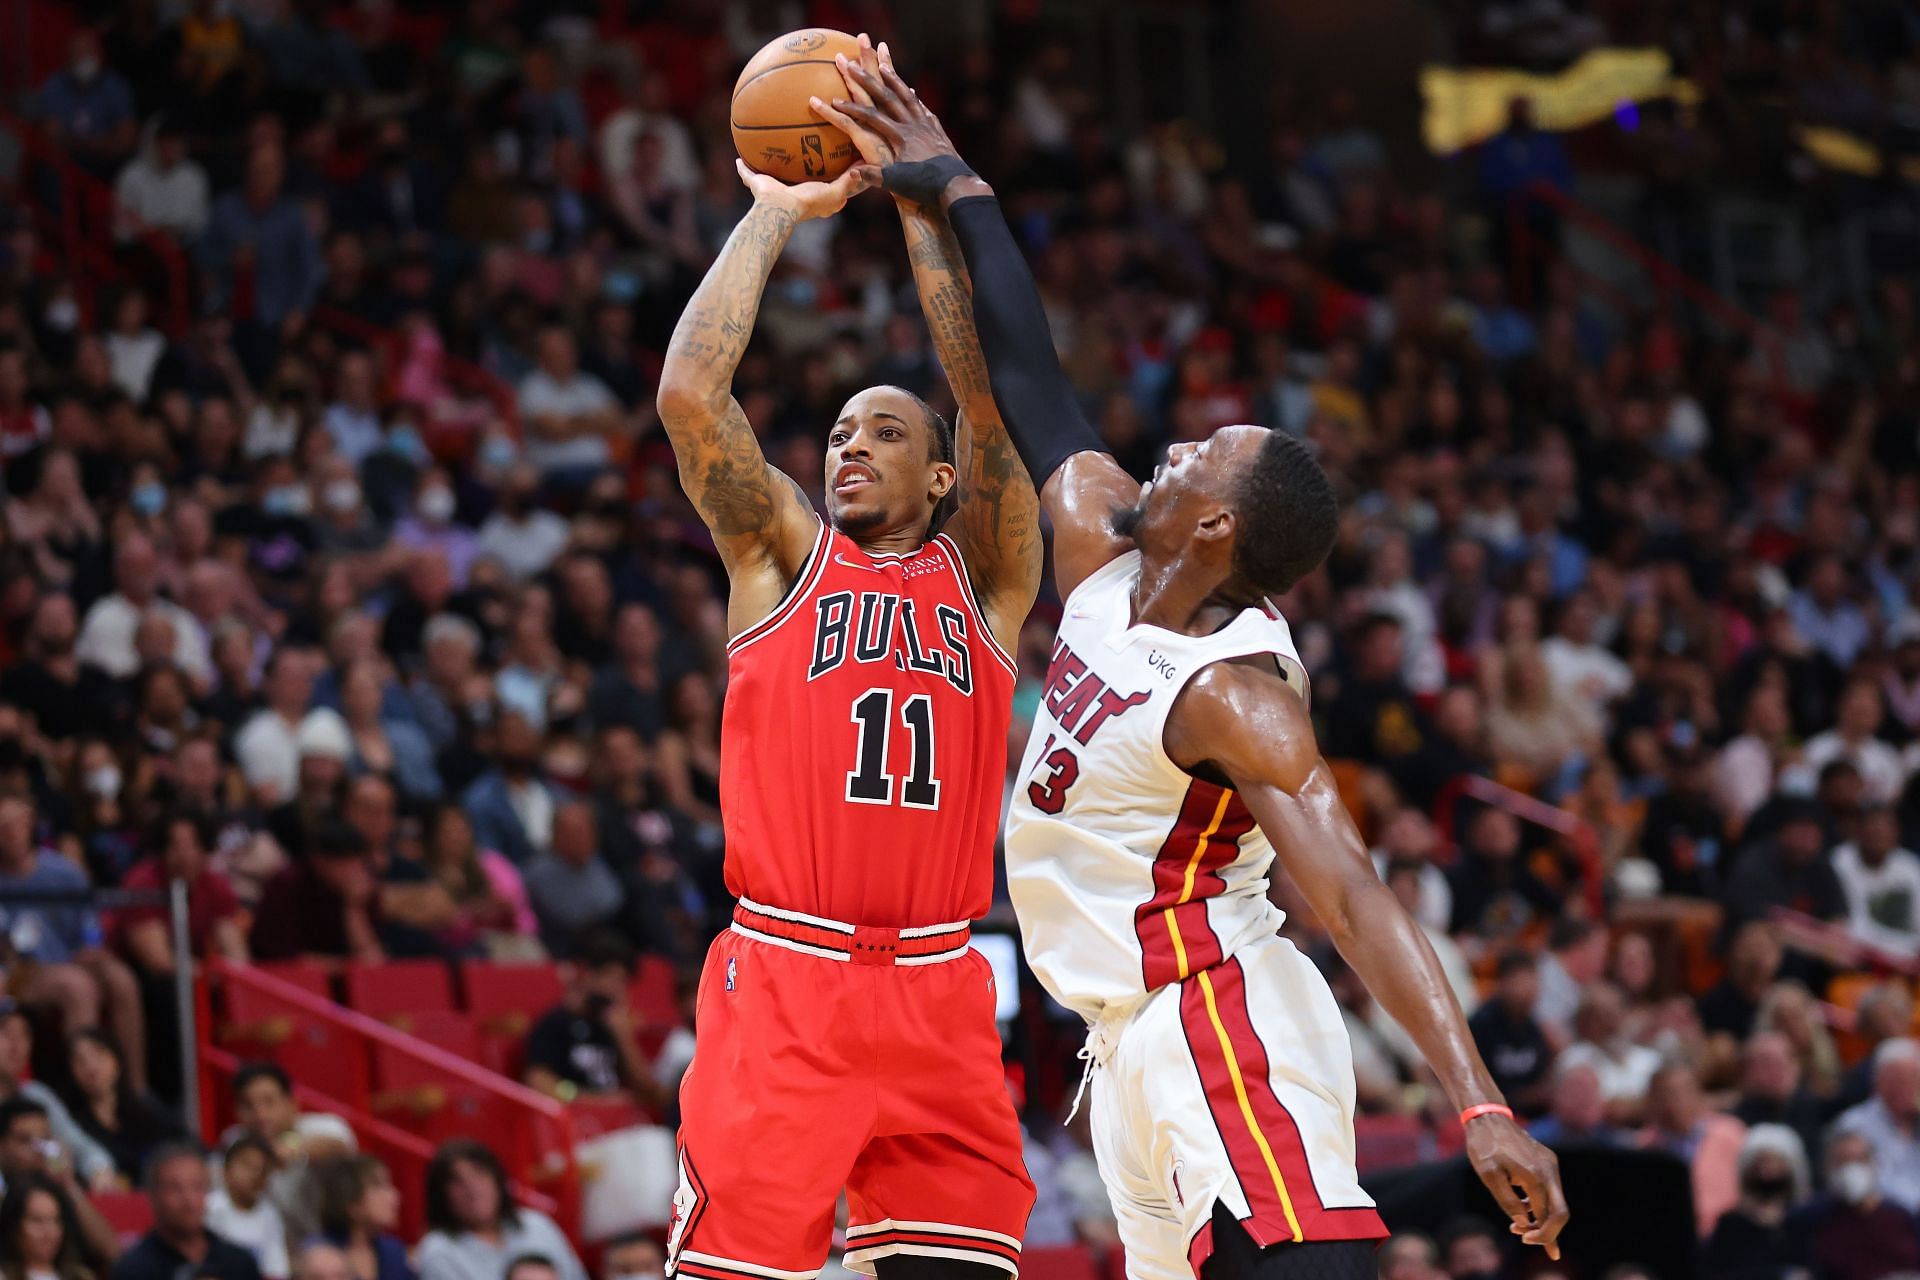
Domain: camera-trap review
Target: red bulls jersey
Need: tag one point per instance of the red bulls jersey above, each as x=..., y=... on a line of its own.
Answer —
x=864, y=740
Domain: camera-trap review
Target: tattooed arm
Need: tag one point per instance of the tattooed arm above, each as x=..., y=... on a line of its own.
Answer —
x=998, y=522
x=761, y=520
x=997, y=525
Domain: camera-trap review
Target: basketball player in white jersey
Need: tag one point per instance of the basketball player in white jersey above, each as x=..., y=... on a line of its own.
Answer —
x=1171, y=761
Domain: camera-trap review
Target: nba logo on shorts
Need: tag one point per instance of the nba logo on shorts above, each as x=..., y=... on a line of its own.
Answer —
x=731, y=962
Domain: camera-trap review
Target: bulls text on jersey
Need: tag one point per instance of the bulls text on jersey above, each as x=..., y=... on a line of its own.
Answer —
x=879, y=626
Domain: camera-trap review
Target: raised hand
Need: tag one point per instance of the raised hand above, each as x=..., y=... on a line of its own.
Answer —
x=1523, y=1176
x=872, y=147
x=806, y=200
x=924, y=157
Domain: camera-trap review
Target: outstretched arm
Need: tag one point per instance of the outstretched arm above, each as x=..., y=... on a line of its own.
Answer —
x=1081, y=486
x=1247, y=724
x=762, y=523
x=998, y=521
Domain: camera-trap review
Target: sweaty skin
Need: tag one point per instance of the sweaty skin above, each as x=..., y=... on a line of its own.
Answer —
x=1241, y=722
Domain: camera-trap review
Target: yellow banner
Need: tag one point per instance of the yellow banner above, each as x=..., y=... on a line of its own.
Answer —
x=1469, y=106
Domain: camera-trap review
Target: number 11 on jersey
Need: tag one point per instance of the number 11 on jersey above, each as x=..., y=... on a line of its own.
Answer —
x=868, y=782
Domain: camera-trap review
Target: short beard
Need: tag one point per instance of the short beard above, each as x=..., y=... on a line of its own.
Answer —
x=854, y=525
x=1126, y=521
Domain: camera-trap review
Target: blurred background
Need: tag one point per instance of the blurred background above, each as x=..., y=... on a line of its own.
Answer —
x=361, y=661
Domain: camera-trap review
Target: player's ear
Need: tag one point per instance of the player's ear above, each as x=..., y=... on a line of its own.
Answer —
x=1216, y=527
x=941, y=477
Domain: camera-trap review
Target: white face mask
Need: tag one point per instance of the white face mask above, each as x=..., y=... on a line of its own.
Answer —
x=1854, y=1182
x=436, y=505
x=104, y=781
x=342, y=496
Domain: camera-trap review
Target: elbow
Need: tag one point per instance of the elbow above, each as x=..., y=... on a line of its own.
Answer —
x=682, y=394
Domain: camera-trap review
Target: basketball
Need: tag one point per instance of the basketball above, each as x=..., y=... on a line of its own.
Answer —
x=774, y=129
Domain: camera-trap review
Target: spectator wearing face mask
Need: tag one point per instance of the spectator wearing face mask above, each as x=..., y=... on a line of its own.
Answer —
x=431, y=526
x=1752, y=1240
x=1890, y=1121
x=1854, y=1232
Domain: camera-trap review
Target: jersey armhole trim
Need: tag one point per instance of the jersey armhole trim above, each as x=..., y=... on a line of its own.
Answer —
x=973, y=605
x=803, y=585
x=1160, y=751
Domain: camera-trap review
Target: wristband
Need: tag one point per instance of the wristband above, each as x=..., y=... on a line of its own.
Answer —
x=1486, y=1109
x=922, y=181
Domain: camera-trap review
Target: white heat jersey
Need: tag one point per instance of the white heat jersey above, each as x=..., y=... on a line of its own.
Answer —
x=1128, y=873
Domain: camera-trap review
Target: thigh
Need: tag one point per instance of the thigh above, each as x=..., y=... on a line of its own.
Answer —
x=55, y=984
x=774, y=1110
x=944, y=1175
x=1229, y=1088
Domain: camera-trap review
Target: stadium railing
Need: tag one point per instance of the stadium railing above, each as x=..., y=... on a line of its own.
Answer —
x=81, y=219
x=1666, y=278
x=401, y=1094
x=1581, y=838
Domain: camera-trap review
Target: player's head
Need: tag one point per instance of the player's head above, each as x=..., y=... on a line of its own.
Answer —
x=1251, y=503
x=889, y=464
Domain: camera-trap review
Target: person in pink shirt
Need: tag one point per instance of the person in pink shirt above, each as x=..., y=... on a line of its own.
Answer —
x=494, y=914
x=1680, y=1123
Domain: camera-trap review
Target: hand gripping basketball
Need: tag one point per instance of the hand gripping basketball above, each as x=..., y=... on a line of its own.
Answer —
x=892, y=126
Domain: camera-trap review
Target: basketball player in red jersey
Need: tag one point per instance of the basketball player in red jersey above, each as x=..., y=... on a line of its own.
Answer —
x=1221, y=1081
x=845, y=1035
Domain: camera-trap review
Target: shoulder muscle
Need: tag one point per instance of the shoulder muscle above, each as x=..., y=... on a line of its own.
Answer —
x=1079, y=499
x=1247, y=722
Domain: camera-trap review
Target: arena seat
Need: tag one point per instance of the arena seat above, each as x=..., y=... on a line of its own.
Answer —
x=319, y=1055
x=452, y=1032
x=505, y=1000
x=1387, y=1142
x=256, y=1022
x=1846, y=989
x=652, y=993
x=393, y=990
x=129, y=1213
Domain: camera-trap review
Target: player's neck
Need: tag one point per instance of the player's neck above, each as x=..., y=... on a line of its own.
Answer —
x=1176, y=596
x=895, y=542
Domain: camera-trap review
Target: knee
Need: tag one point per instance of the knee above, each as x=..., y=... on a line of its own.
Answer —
x=74, y=990
x=116, y=980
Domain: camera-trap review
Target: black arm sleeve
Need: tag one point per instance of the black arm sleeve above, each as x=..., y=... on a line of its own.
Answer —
x=1038, y=404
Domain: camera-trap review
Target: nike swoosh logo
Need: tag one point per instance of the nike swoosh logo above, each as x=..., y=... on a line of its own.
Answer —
x=870, y=568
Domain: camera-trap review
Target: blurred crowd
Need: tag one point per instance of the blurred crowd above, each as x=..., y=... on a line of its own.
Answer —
x=364, y=602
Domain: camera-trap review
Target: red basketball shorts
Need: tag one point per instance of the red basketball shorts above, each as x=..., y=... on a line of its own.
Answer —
x=833, y=1058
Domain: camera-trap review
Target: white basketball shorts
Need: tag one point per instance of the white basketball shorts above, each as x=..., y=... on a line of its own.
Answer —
x=1234, y=1085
